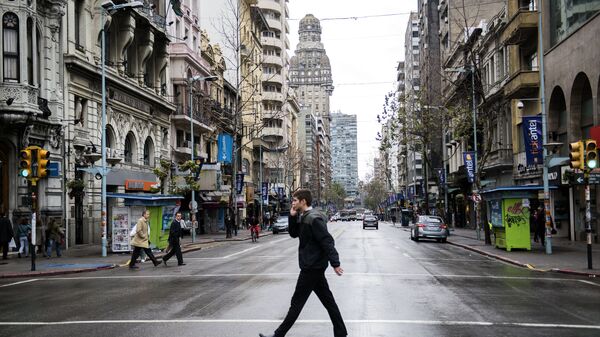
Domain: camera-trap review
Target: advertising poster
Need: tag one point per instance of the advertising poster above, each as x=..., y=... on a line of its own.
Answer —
x=168, y=214
x=225, y=142
x=496, y=213
x=469, y=160
x=532, y=136
x=120, y=229
x=265, y=192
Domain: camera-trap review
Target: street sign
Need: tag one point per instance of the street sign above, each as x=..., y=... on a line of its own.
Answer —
x=578, y=178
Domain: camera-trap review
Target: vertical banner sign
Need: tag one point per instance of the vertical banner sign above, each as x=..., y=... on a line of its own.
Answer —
x=280, y=192
x=532, y=136
x=265, y=192
x=239, y=182
x=225, y=142
x=442, y=176
x=469, y=160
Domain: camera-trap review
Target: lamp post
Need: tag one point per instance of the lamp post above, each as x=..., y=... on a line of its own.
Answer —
x=191, y=81
x=109, y=8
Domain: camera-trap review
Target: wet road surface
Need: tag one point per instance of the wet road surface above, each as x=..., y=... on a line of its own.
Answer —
x=392, y=287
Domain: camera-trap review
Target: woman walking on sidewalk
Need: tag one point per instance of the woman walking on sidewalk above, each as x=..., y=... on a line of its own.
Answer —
x=140, y=241
x=55, y=234
x=23, y=232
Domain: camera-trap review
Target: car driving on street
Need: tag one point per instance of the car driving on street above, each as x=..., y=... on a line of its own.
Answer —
x=280, y=225
x=370, y=220
x=429, y=227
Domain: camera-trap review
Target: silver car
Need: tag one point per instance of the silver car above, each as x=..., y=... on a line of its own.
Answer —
x=429, y=227
x=280, y=225
x=370, y=221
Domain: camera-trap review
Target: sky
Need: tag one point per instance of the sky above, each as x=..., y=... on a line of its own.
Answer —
x=364, y=53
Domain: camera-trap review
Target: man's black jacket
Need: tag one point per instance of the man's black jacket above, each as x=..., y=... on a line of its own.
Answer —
x=316, y=244
x=175, y=232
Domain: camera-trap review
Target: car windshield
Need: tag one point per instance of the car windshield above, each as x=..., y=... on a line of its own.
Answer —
x=430, y=219
x=370, y=217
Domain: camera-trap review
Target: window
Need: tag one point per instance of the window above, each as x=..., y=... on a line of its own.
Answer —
x=130, y=148
x=78, y=7
x=149, y=152
x=30, y=51
x=10, y=46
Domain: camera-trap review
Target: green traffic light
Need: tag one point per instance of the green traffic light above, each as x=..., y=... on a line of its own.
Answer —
x=24, y=173
x=592, y=164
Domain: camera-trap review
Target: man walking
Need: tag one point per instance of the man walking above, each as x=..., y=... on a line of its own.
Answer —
x=316, y=248
x=6, y=234
x=175, y=233
x=140, y=241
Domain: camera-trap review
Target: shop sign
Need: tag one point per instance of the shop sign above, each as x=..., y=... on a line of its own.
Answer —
x=239, y=182
x=265, y=192
x=139, y=185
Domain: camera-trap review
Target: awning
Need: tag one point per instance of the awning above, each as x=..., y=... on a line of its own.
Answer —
x=452, y=189
x=518, y=188
x=149, y=197
x=136, y=199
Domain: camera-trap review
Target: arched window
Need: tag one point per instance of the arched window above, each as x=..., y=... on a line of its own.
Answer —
x=30, y=51
x=110, y=137
x=10, y=47
x=149, y=152
x=130, y=150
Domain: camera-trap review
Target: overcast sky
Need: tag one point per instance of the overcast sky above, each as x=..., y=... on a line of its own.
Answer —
x=364, y=54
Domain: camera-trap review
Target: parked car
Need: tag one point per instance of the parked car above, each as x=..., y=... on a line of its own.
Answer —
x=370, y=221
x=429, y=227
x=335, y=217
x=280, y=225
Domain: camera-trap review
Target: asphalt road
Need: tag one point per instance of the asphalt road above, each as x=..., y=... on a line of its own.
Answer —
x=392, y=287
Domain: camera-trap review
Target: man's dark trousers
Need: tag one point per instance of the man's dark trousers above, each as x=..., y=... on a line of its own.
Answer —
x=175, y=250
x=312, y=280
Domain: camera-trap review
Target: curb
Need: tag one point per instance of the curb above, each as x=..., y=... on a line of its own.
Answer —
x=523, y=265
x=187, y=249
x=56, y=272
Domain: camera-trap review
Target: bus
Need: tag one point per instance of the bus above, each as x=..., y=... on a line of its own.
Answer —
x=348, y=215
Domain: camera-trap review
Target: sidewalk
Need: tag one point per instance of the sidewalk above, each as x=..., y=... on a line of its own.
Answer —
x=88, y=257
x=567, y=256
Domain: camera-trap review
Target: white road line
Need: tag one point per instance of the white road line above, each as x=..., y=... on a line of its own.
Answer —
x=295, y=274
x=590, y=282
x=20, y=282
x=406, y=255
x=319, y=321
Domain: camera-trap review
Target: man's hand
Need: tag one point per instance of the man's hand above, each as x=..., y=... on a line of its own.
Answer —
x=339, y=271
x=293, y=211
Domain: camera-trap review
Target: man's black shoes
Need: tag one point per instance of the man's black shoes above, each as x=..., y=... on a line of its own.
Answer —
x=181, y=264
x=164, y=262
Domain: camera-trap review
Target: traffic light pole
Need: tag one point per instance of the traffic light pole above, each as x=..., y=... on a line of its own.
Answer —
x=33, y=188
x=588, y=218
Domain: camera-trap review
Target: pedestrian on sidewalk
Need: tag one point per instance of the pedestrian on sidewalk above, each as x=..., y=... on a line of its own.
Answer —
x=540, y=226
x=23, y=233
x=140, y=241
x=175, y=233
x=55, y=235
x=228, y=226
x=6, y=234
x=316, y=248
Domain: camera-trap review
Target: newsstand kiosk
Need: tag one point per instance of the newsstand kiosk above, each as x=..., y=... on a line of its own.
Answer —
x=123, y=218
x=508, y=209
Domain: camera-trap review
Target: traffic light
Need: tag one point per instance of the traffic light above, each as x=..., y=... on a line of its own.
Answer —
x=591, y=154
x=42, y=161
x=25, y=164
x=576, y=155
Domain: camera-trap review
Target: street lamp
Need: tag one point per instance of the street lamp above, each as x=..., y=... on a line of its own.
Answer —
x=108, y=8
x=191, y=81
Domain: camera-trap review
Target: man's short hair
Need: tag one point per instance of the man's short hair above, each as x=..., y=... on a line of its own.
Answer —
x=178, y=212
x=303, y=194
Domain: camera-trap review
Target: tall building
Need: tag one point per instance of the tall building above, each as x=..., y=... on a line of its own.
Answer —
x=279, y=113
x=344, y=153
x=412, y=92
x=310, y=75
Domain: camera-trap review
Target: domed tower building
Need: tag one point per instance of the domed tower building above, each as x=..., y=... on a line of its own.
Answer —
x=310, y=75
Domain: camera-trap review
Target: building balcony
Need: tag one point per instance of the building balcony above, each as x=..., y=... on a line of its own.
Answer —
x=274, y=78
x=274, y=24
x=521, y=27
x=181, y=120
x=499, y=159
x=273, y=59
x=273, y=134
x=273, y=114
x=24, y=98
x=523, y=83
x=271, y=5
x=272, y=96
x=271, y=41
x=185, y=149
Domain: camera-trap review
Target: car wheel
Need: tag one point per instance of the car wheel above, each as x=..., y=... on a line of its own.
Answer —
x=416, y=238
